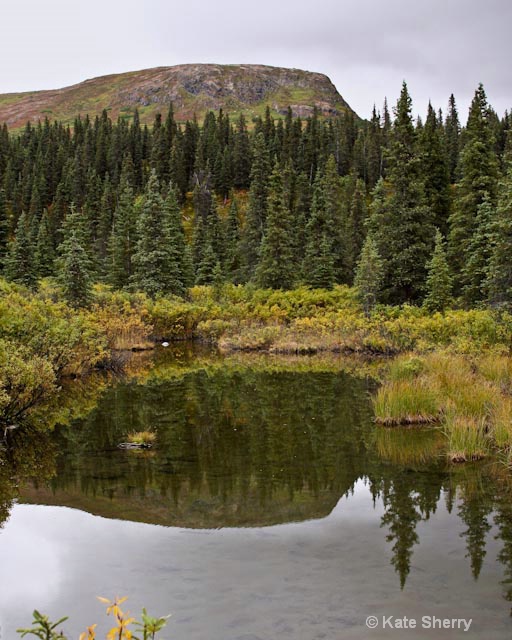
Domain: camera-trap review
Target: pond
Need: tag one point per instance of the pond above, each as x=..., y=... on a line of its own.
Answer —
x=270, y=506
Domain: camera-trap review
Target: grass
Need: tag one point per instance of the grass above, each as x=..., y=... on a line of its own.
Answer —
x=402, y=402
x=467, y=438
x=143, y=438
x=468, y=394
x=501, y=429
x=497, y=368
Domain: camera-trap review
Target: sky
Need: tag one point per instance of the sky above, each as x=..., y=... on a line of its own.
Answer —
x=366, y=47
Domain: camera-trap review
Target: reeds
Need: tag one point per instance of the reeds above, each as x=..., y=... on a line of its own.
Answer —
x=467, y=438
x=402, y=402
x=470, y=396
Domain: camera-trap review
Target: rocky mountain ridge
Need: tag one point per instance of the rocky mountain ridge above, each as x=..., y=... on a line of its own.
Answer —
x=193, y=89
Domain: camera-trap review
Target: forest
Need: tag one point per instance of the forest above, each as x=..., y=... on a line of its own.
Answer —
x=409, y=210
x=387, y=241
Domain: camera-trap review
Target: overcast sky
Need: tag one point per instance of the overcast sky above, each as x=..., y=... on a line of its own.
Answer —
x=366, y=47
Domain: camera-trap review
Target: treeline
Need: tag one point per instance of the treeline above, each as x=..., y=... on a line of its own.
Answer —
x=409, y=211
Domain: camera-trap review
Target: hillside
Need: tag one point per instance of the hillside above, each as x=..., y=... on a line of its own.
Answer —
x=192, y=88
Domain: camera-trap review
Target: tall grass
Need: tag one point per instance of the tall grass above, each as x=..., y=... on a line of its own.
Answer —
x=501, y=429
x=406, y=402
x=470, y=395
x=467, y=438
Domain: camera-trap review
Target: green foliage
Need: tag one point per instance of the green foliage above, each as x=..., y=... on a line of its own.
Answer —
x=275, y=268
x=26, y=379
x=257, y=209
x=156, y=263
x=151, y=626
x=401, y=222
x=106, y=183
x=369, y=275
x=43, y=628
x=122, y=239
x=478, y=171
x=439, y=281
x=20, y=265
x=74, y=274
x=498, y=279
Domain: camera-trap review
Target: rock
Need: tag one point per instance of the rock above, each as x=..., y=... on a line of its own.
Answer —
x=133, y=445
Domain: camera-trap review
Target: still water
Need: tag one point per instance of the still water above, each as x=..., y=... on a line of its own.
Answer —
x=270, y=507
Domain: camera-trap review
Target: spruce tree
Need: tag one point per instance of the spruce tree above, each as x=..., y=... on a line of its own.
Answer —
x=233, y=259
x=257, y=208
x=20, y=265
x=498, y=282
x=122, y=239
x=334, y=219
x=241, y=156
x=4, y=227
x=74, y=275
x=355, y=231
x=208, y=266
x=478, y=171
x=400, y=221
x=435, y=170
x=44, y=250
x=178, y=268
x=318, y=267
x=439, y=280
x=475, y=268
x=104, y=230
x=452, y=136
x=153, y=258
x=275, y=268
x=369, y=275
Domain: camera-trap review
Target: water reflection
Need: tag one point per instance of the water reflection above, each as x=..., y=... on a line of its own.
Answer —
x=249, y=445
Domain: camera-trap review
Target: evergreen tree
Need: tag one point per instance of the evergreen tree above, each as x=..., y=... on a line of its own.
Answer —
x=478, y=171
x=334, y=219
x=257, y=208
x=74, y=275
x=369, y=275
x=275, y=269
x=241, y=156
x=435, y=169
x=208, y=266
x=178, y=278
x=4, y=227
x=452, y=134
x=44, y=254
x=233, y=260
x=400, y=221
x=122, y=239
x=475, y=268
x=498, y=282
x=355, y=231
x=318, y=267
x=20, y=265
x=374, y=151
x=153, y=257
x=105, y=219
x=439, y=281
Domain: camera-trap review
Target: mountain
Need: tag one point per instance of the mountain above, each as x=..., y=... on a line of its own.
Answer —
x=192, y=89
